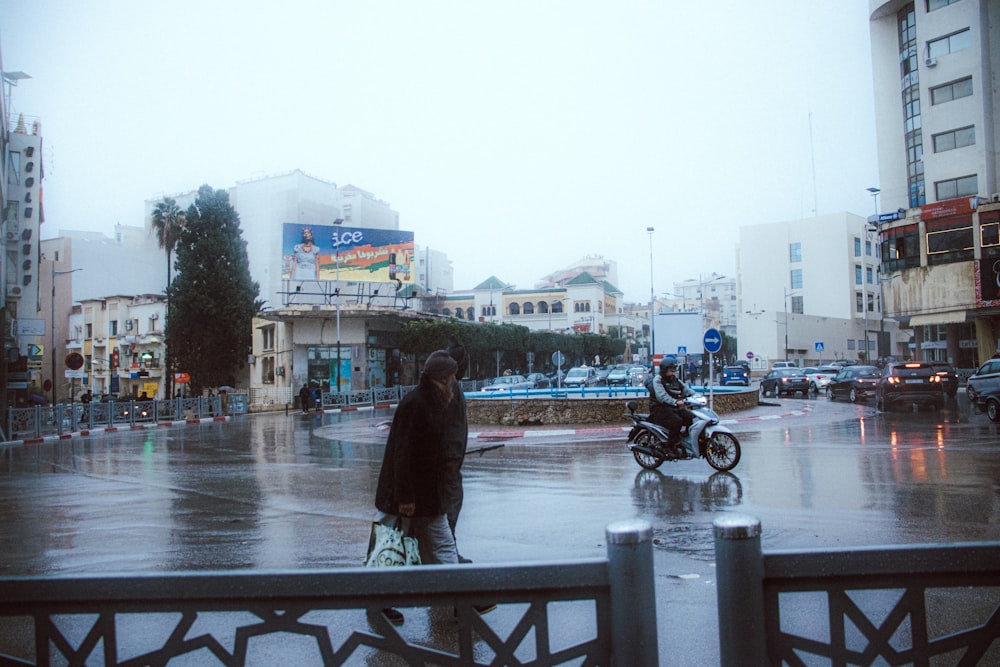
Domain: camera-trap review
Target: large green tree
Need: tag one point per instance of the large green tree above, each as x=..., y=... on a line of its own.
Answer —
x=213, y=299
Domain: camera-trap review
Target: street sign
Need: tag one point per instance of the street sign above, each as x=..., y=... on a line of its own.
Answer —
x=75, y=374
x=819, y=346
x=682, y=350
x=750, y=356
x=35, y=352
x=558, y=358
x=713, y=340
x=74, y=361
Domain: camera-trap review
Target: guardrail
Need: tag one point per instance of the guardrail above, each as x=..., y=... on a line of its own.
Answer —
x=43, y=420
x=894, y=605
x=334, y=616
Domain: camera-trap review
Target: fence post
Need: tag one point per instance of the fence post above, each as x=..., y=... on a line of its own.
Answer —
x=633, y=593
x=739, y=566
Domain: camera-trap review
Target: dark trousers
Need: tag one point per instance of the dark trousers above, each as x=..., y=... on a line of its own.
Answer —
x=671, y=419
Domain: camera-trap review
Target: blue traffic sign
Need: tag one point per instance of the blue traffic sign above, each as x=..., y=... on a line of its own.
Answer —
x=682, y=350
x=713, y=340
x=819, y=346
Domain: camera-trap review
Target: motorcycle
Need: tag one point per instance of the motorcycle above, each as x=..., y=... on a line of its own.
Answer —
x=705, y=436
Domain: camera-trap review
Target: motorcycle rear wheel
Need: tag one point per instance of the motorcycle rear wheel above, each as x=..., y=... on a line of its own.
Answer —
x=647, y=461
x=722, y=451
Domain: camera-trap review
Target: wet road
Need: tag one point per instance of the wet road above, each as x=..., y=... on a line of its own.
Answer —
x=295, y=491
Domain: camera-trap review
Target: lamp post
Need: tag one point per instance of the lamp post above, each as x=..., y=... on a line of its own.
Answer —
x=652, y=299
x=52, y=332
x=869, y=229
x=337, y=222
x=788, y=293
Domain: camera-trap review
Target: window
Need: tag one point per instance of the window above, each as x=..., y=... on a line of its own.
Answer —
x=90, y=330
x=114, y=327
x=514, y=309
x=795, y=252
x=963, y=186
x=938, y=4
x=489, y=311
x=949, y=141
x=901, y=248
x=580, y=307
x=909, y=74
x=267, y=370
x=797, y=305
x=529, y=308
x=949, y=241
x=871, y=303
x=267, y=337
x=868, y=248
x=952, y=91
x=14, y=168
x=950, y=44
x=857, y=274
x=796, y=278
x=868, y=275
x=858, y=303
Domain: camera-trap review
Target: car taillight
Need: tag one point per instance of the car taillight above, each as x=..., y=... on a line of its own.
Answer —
x=935, y=378
x=893, y=380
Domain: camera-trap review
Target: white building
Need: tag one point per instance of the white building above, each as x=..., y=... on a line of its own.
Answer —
x=936, y=69
x=713, y=296
x=809, y=290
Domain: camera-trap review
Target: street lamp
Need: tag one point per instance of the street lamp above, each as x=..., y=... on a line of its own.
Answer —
x=337, y=222
x=652, y=299
x=52, y=332
x=788, y=293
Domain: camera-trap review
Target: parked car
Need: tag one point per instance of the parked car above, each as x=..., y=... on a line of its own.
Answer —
x=538, y=380
x=855, y=383
x=602, y=374
x=508, y=383
x=984, y=381
x=844, y=362
x=783, y=364
x=949, y=377
x=784, y=381
x=735, y=375
x=905, y=383
x=618, y=377
x=581, y=376
x=820, y=376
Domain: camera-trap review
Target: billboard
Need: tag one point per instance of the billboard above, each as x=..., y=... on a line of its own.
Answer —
x=356, y=254
x=673, y=331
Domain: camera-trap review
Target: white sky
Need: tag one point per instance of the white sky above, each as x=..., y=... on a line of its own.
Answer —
x=516, y=136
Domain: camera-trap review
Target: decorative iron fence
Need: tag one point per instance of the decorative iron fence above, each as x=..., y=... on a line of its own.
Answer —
x=332, y=617
x=895, y=605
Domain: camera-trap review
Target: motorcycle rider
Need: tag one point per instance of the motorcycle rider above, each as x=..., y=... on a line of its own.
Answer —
x=667, y=405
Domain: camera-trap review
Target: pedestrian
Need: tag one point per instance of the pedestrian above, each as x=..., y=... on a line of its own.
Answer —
x=304, y=397
x=410, y=482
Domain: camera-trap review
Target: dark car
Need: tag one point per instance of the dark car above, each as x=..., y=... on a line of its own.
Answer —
x=618, y=377
x=856, y=383
x=949, y=377
x=983, y=382
x=538, y=380
x=735, y=375
x=784, y=381
x=906, y=383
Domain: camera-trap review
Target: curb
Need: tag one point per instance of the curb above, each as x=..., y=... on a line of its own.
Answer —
x=55, y=437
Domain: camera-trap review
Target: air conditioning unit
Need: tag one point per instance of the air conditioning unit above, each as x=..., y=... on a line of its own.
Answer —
x=128, y=325
x=251, y=359
x=280, y=371
x=930, y=62
x=13, y=291
x=995, y=197
x=11, y=236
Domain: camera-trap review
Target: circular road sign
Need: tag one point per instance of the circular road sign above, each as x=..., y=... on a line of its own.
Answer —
x=558, y=358
x=713, y=340
x=750, y=355
x=74, y=361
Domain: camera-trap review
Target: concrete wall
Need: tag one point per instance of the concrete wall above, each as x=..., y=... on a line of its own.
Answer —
x=544, y=411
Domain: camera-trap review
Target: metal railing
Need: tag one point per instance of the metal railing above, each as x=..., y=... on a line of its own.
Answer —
x=332, y=617
x=43, y=420
x=913, y=605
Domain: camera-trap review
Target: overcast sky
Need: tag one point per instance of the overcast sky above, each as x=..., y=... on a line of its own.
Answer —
x=516, y=136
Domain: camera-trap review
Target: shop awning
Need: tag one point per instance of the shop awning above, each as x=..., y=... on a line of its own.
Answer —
x=954, y=317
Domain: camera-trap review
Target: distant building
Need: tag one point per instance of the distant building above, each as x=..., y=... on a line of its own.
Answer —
x=808, y=291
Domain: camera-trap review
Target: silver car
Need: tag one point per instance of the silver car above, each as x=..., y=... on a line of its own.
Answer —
x=508, y=383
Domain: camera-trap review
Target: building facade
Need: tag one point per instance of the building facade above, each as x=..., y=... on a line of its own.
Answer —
x=936, y=94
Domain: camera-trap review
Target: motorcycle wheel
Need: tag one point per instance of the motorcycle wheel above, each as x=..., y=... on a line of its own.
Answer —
x=722, y=451
x=647, y=461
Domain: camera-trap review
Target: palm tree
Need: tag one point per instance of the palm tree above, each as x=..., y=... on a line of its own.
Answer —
x=168, y=222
